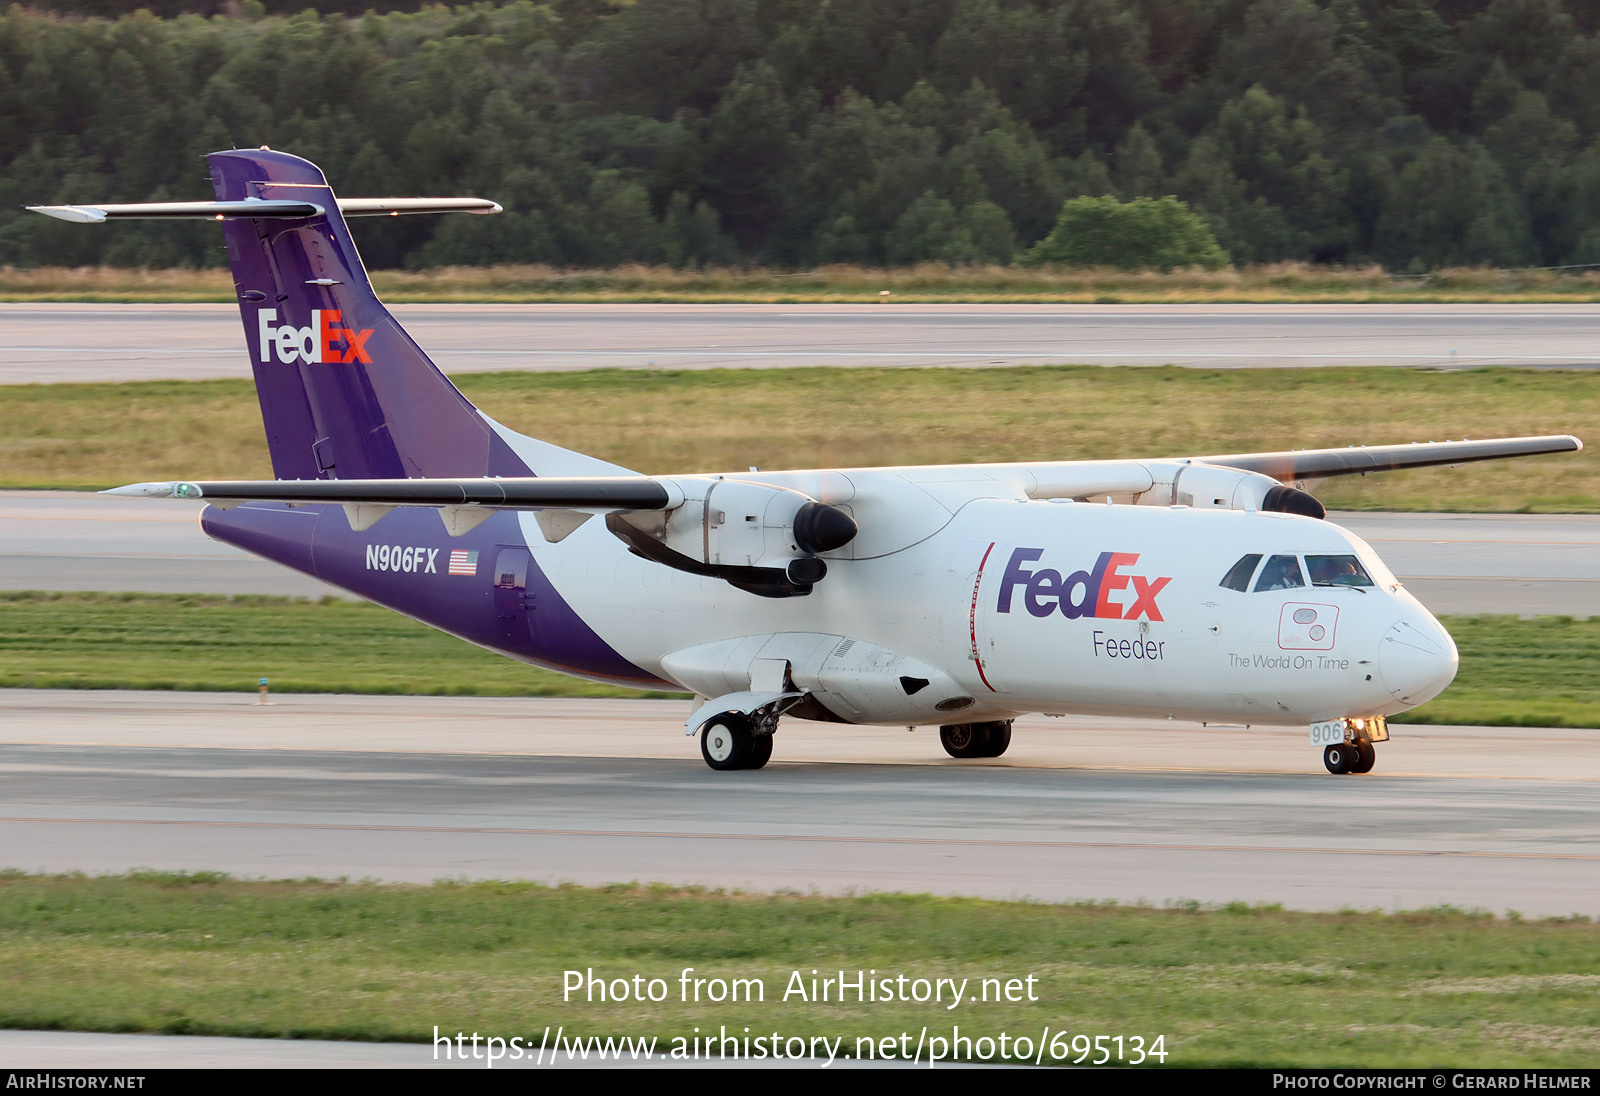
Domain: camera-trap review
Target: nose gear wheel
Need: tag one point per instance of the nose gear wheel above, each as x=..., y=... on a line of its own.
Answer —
x=1339, y=758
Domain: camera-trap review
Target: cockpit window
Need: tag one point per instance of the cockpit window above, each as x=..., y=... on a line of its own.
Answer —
x=1337, y=571
x=1280, y=573
x=1238, y=576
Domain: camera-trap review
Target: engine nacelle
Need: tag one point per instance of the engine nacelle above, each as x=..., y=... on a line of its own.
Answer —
x=757, y=537
x=1215, y=487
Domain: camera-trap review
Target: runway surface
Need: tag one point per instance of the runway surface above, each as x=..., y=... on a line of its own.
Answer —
x=1456, y=563
x=70, y=540
x=606, y=791
x=47, y=343
x=603, y=791
x=133, y=1053
x=130, y=1054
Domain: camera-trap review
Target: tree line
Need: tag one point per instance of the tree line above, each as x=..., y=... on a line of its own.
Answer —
x=791, y=133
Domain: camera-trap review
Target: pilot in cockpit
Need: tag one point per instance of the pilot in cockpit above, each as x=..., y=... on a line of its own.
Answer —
x=1280, y=573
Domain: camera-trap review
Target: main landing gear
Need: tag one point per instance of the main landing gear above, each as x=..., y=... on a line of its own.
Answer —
x=976, y=739
x=1350, y=757
x=731, y=742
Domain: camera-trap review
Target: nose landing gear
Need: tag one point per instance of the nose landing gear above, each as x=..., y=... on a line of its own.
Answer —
x=1356, y=754
x=1340, y=759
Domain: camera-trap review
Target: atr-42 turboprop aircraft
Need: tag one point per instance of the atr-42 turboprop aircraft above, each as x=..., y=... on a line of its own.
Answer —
x=1200, y=588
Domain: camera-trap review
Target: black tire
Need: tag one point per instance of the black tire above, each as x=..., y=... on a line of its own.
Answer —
x=760, y=751
x=1339, y=758
x=999, y=738
x=726, y=743
x=964, y=739
x=1366, y=757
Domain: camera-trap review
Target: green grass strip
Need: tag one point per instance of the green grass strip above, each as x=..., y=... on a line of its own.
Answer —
x=939, y=282
x=1235, y=986
x=1513, y=672
x=225, y=644
x=659, y=422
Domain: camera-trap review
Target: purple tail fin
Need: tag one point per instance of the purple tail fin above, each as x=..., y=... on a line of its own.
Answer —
x=345, y=393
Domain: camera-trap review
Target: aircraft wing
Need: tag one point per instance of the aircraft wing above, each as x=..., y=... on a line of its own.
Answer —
x=598, y=493
x=1059, y=479
x=1301, y=464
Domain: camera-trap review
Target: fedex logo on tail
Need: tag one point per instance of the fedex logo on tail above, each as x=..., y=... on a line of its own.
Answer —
x=1108, y=590
x=325, y=340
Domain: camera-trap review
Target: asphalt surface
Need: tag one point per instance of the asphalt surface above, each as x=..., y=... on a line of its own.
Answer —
x=601, y=791
x=133, y=1054
x=606, y=791
x=1456, y=563
x=47, y=343
x=68, y=540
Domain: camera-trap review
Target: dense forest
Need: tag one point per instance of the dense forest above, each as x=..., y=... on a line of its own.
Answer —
x=1412, y=133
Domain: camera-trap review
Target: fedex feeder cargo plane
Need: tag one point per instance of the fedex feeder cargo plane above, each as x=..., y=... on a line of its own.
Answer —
x=961, y=596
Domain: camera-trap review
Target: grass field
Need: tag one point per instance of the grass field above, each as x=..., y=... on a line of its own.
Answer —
x=1275, y=283
x=213, y=643
x=1239, y=986
x=99, y=435
x=1513, y=672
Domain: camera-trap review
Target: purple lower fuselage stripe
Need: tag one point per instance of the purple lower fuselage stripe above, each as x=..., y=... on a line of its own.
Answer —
x=403, y=563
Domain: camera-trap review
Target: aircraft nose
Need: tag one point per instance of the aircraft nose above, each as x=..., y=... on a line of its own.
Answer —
x=1417, y=659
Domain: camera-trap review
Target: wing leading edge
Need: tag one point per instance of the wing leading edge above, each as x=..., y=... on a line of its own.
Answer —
x=1055, y=479
x=1302, y=464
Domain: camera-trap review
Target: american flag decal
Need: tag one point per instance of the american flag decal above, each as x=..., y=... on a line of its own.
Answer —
x=463, y=562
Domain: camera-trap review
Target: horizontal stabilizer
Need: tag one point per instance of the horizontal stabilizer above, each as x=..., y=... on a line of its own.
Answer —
x=599, y=493
x=254, y=208
x=1319, y=463
x=396, y=207
x=181, y=211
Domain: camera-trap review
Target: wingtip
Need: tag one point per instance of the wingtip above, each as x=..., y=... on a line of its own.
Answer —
x=168, y=489
x=83, y=215
x=141, y=490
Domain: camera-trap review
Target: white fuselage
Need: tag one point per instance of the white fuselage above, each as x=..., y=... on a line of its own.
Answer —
x=1002, y=606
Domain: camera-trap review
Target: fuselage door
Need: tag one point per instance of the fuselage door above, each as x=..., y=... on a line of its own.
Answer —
x=513, y=605
x=967, y=626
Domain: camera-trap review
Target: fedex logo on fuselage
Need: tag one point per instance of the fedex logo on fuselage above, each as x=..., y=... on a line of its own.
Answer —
x=1082, y=593
x=326, y=340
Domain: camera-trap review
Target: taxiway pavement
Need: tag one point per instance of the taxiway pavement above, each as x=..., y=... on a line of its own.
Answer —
x=407, y=788
x=130, y=1054
x=47, y=343
x=1456, y=563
